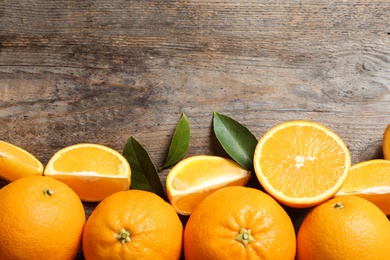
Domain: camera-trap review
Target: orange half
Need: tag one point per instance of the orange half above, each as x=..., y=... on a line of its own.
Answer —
x=16, y=162
x=386, y=143
x=193, y=178
x=371, y=181
x=93, y=171
x=301, y=163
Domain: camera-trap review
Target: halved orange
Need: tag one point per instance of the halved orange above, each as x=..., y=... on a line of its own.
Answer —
x=93, y=171
x=195, y=177
x=386, y=143
x=16, y=162
x=371, y=181
x=301, y=163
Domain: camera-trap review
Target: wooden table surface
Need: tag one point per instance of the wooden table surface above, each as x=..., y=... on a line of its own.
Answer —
x=102, y=71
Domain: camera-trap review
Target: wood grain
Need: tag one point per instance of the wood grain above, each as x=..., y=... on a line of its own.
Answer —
x=102, y=71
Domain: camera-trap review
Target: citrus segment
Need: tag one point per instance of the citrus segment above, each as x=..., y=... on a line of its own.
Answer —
x=40, y=218
x=16, y=162
x=344, y=227
x=93, y=171
x=386, y=143
x=369, y=180
x=193, y=178
x=239, y=223
x=133, y=224
x=301, y=163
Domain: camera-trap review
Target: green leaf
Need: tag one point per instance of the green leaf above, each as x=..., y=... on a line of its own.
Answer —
x=180, y=142
x=235, y=139
x=144, y=175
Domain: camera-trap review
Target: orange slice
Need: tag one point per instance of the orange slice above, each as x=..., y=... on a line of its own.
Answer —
x=193, y=178
x=371, y=181
x=93, y=171
x=386, y=143
x=301, y=163
x=16, y=162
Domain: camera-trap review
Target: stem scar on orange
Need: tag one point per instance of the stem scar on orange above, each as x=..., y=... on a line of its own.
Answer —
x=301, y=163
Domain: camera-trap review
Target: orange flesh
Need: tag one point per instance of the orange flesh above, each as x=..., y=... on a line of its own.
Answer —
x=371, y=181
x=376, y=174
x=192, y=179
x=188, y=202
x=76, y=162
x=92, y=171
x=16, y=163
x=199, y=173
x=94, y=188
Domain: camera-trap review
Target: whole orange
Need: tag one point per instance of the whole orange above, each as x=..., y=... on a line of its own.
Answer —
x=40, y=218
x=133, y=224
x=345, y=227
x=239, y=223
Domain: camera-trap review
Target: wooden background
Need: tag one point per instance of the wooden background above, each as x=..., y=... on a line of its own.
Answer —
x=102, y=71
